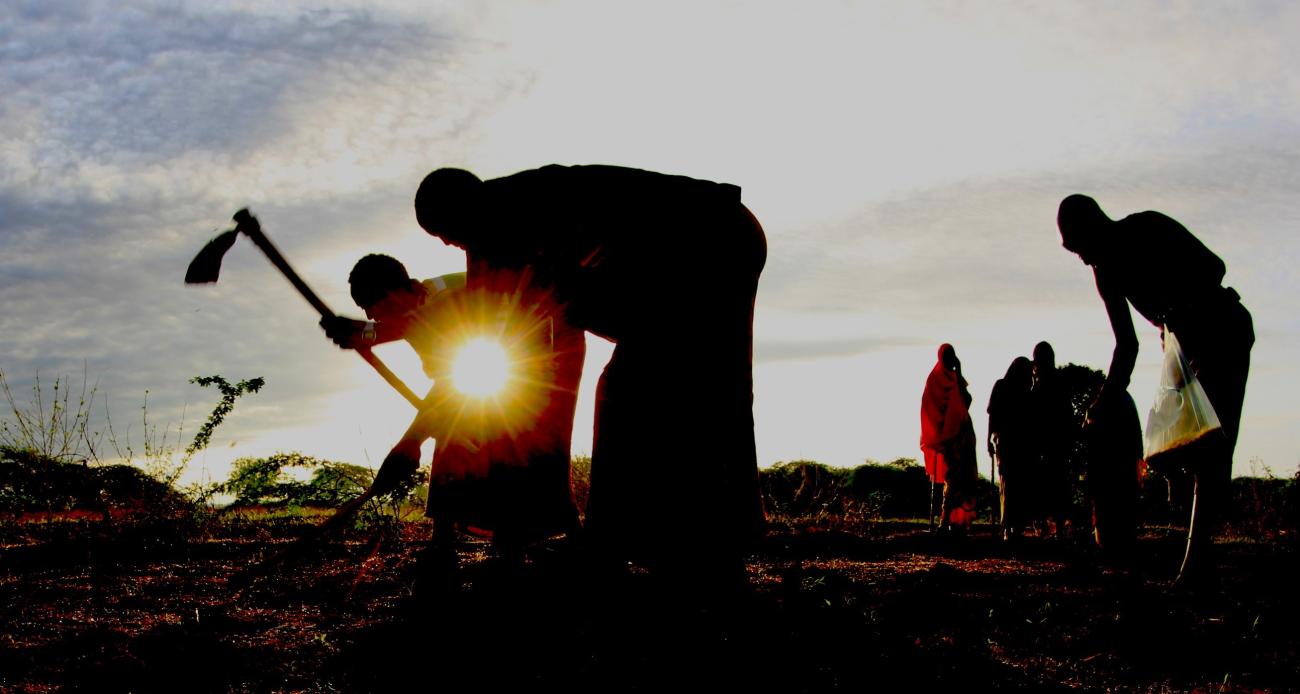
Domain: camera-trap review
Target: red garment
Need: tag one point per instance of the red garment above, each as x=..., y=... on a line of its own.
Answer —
x=943, y=409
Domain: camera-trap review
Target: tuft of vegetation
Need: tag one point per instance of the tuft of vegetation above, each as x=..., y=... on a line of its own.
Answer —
x=580, y=481
x=51, y=425
x=289, y=480
x=805, y=493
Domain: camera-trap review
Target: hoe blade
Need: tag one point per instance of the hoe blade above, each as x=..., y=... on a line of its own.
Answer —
x=206, y=266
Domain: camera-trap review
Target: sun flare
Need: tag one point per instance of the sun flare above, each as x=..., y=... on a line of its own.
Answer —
x=481, y=368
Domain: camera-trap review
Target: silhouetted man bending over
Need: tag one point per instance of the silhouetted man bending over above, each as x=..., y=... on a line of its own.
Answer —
x=667, y=268
x=502, y=464
x=1174, y=281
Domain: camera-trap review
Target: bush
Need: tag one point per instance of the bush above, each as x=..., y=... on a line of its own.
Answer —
x=892, y=490
x=266, y=483
x=804, y=492
x=33, y=483
x=1262, y=507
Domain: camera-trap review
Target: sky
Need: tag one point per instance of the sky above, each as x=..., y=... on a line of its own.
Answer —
x=905, y=159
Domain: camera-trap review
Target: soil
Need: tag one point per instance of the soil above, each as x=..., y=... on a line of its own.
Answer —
x=887, y=606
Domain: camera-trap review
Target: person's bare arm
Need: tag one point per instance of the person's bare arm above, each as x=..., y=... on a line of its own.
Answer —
x=1124, y=357
x=404, y=458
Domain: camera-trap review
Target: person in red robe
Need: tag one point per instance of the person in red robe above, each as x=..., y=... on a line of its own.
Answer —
x=948, y=440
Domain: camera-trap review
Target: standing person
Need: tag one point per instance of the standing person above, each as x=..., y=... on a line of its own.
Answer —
x=1054, y=433
x=500, y=464
x=948, y=440
x=667, y=268
x=1155, y=264
x=1010, y=443
x=1113, y=441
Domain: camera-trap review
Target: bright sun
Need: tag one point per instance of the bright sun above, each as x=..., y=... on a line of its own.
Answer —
x=481, y=368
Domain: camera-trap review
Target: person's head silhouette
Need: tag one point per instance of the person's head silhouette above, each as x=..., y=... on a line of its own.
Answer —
x=448, y=204
x=382, y=288
x=948, y=357
x=1044, y=360
x=1081, y=221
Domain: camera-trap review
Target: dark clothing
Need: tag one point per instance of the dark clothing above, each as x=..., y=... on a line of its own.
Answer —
x=1113, y=439
x=1054, y=430
x=1011, y=429
x=961, y=478
x=1217, y=345
x=666, y=267
x=503, y=469
x=612, y=239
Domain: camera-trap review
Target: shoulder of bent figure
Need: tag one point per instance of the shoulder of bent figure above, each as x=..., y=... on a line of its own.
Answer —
x=437, y=291
x=1153, y=231
x=1162, y=239
x=437, y=286
x=594, y=185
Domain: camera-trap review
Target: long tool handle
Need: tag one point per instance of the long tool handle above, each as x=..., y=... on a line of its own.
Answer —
x=247, y=223
x=391, y=377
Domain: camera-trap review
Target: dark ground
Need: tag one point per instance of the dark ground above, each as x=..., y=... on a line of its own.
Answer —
x=886, y=608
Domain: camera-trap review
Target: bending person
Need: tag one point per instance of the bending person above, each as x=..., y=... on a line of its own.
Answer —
x=501, y=460
x=1152, y=262
x=667, y=268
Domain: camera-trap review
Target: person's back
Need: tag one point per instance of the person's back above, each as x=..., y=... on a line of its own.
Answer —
x=613, y=241
x=1164, y=270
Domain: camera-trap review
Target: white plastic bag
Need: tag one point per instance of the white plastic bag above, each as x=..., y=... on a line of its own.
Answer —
x=1182, y=412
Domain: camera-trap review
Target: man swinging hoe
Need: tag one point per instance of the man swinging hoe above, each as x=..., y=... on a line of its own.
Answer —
x=501, y=409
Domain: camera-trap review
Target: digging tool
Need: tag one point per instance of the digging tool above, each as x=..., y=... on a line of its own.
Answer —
x=206, y=267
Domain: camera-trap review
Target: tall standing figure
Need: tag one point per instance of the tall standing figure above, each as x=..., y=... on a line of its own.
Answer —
x=1010, y=443
x=667, y=268
x=1152, y=262
x=1054, y=433
x=948, y=440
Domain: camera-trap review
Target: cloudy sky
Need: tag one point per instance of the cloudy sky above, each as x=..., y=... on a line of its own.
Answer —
x=906, y=159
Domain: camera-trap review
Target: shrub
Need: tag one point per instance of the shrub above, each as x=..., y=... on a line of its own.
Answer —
x=267, y=483
x=806, y=492
x=33, y=483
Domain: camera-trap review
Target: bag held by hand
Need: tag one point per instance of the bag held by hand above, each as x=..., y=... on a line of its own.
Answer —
x=1182, y=413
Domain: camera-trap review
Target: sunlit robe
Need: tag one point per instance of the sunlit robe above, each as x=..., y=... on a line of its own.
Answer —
x=942, y=412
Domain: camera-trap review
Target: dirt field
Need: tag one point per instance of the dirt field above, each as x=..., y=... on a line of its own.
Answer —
x=885, y=609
